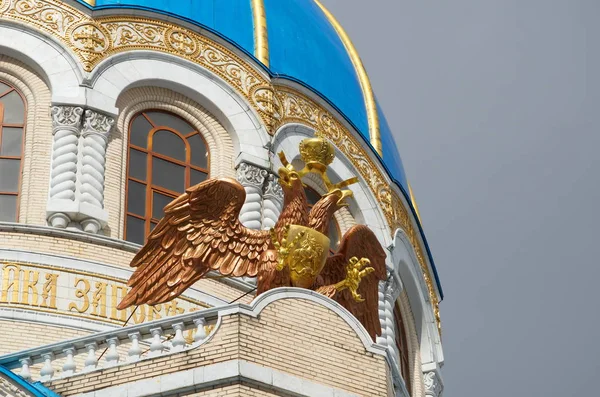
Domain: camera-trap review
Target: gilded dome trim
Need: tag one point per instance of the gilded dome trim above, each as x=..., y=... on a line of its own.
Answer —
x=365, y=83
x=261, y=37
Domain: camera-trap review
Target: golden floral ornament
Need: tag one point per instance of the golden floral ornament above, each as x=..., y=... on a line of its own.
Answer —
x=93, y=40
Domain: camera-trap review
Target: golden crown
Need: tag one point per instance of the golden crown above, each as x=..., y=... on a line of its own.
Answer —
x=317, y=151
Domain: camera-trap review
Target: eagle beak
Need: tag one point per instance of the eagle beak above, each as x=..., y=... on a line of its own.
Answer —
x=287, y=176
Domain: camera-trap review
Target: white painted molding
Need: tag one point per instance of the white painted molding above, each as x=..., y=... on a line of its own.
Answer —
x=138, y=68
x=408, y=268
x=54, y=62
x=252, y=179
x=224, y=373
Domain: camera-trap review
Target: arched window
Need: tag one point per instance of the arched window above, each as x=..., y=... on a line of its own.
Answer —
x=334, y=230
x=402, y=345
x=166, y=156
x=12, y=124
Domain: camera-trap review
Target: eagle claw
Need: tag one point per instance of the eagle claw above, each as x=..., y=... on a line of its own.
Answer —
x=356, y=270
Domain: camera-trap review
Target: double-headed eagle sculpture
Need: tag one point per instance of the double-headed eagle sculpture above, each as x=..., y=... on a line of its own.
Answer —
x=201, y=232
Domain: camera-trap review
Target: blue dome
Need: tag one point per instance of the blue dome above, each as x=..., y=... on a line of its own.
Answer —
x=303, y=47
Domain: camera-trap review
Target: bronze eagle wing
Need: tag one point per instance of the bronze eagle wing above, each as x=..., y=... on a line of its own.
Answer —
x=358, y=242
x=199, y=232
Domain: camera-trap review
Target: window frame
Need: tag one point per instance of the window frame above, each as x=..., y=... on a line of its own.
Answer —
x=401, y=341
x=150, y=187
x=21, y=158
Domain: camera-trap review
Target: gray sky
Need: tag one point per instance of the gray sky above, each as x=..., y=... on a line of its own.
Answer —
x=495, y=108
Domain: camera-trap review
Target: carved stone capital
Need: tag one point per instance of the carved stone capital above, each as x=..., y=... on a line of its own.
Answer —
x=66, y=118
x=433, y=384
x=273, y=190
x=393, y=285
x=97, y=124
x=251, y=175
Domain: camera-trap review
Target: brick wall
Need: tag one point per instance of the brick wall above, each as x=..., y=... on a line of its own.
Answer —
x=20, y=335
x=296, y=336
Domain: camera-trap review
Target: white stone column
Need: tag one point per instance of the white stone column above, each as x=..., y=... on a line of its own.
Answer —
x=96, y=129
x=434, y=386
x=253, y=180
x=389, y=291
x=66, y=122
x=273, y=202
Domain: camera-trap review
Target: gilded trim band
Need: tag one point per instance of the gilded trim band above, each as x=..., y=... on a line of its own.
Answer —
x=370, y=104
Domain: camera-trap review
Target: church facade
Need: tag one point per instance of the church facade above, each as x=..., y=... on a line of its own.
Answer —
x=109, y=110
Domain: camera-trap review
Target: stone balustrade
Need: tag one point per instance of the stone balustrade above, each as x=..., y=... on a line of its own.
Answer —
x=113, y=347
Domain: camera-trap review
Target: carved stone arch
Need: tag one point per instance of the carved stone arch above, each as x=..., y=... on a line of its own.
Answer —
x=135, y=100
x=414, y=349
x=54, y=64
x=407, y=267
x=363, y=205
x=38, y=138
x=146, y=68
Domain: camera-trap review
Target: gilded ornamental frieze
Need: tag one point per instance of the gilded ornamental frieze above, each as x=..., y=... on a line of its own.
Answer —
x=94, y=40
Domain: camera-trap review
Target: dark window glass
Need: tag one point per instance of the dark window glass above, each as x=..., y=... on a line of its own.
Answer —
x=10, y=170
x=135, y=230
x=159, y=201
x=178, y=160
x=169, y=144
x=8, y=208
x=136, y=198
x=199, y=155
x=138, y=133
x=197, y=176
x=137, y=164
x=312, y=197
x=168, y=175
x=12, y=119
x=14, y=108
x=402, y=345
x=161, y=119
x=334, y=235
x=12, y=141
